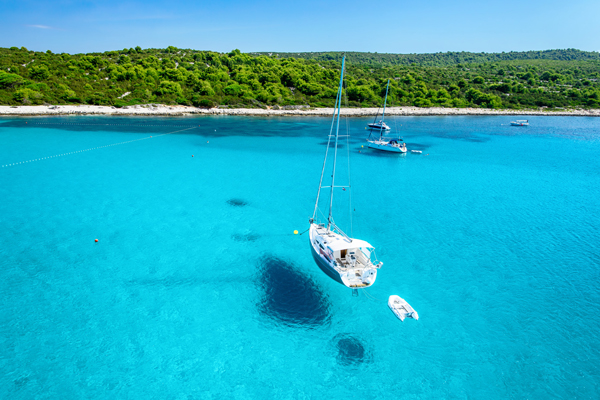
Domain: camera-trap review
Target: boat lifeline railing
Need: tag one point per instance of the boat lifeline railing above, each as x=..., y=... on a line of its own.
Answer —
x=336, y=229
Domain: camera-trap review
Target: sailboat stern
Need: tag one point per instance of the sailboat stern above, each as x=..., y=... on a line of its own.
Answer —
x=357, y=279
x=369, y=276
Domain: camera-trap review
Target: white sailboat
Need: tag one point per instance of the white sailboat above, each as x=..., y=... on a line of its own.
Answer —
x=380, y=127
x=344, y=259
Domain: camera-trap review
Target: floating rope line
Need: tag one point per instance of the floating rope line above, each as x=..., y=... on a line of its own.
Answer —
x=137, y=125
x=370, y=296
x=95, y=148
x=305, y=231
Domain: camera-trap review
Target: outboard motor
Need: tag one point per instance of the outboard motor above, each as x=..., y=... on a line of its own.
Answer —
x=369, y=276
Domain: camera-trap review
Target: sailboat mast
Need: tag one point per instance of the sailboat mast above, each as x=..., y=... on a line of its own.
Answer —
x=337, y=131
x=383, y=114
x=325, y=160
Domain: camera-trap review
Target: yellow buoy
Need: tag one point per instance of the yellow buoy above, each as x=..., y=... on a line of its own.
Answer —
x=362, y=146
x=295, y=232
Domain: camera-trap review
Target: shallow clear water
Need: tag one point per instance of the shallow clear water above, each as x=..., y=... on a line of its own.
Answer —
x=198, y=288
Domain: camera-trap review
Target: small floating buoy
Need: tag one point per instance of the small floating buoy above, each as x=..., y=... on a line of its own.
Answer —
x=192, y=155
x=96, y=240
x=295, y=232
x=362, y=145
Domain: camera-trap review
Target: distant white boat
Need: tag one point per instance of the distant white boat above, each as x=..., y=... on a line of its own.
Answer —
x=379, y=126
x=416, y=151
x=520, y=122
x=401, y=308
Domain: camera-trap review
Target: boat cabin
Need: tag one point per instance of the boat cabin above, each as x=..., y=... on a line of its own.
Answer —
x=342, y=252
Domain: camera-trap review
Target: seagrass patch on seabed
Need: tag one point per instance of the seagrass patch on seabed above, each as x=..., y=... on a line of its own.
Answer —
x=237, y=202
x=245, y=237
x=349, y=350
x=289, y=297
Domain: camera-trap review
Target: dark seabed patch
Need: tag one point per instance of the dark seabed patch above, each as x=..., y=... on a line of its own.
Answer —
x=340, y=145
x=350, y=351
x=237, y=202
x=417, y=146
x=290, y=297
x=466, y=136
x=245, y=237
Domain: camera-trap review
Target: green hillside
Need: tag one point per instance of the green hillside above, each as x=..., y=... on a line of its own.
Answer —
x=554, y=78
x=442, y=59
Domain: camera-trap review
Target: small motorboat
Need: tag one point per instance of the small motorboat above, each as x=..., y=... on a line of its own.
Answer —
x=401, y=308
x=520, y=122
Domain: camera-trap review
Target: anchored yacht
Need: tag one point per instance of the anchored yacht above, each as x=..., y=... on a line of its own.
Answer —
x=344, y=259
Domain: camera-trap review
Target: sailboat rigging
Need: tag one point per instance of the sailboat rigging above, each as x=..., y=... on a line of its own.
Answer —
x=380, y=127
x=344, y=259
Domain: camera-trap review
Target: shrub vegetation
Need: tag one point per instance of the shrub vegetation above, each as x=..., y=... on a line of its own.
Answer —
x=555, y=78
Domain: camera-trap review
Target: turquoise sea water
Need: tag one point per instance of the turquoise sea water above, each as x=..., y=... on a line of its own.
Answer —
x=198, y=288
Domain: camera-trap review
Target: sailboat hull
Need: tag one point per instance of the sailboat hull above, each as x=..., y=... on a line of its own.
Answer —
x=352, y=266
x=324, y=266
x=385, y=146
x=378, y=127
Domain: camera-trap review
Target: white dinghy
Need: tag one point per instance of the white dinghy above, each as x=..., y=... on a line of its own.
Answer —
x=401, y=308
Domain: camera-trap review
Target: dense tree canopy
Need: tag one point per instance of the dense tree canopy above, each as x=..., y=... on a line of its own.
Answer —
x=442, y=59
x=556, y=78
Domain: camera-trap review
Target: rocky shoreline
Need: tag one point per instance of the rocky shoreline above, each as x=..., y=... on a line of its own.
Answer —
x=163, y=110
